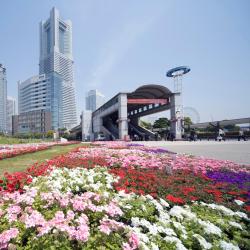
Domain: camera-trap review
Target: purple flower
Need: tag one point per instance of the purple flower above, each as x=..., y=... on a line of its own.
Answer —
x=135, y=145
x=240, y=179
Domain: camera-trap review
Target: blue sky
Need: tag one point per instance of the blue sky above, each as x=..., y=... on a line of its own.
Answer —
x=119, y=45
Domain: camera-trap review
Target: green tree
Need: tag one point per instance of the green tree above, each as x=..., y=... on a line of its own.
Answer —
x=50, y=134
x=187, y=121
x=162, y=122
x=146, y=125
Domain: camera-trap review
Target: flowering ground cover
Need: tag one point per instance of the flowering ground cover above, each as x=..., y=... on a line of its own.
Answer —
x=125, y=196
x=8, y=151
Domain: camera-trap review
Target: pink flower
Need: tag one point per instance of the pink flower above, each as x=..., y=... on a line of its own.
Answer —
x=35, y=219
x=104, y=228
x=78, y=204
x=134, y=240
x=58, y=219
x=64, y=202
x=12, y=217
x=112, y=209
x=43, y=230
x=70, y=215
x=126, y=246
x=82, y=233
x=14, y=209
x=83, y=219
x=7, y=235
x=108, y=225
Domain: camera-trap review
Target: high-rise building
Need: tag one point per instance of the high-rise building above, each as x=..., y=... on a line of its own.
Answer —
x=3, y=98
x=42, y=92
x=94, y=100
x=56, y=57
x=11, y=110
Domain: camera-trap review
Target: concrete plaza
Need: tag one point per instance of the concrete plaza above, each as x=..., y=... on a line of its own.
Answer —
x=236, y=151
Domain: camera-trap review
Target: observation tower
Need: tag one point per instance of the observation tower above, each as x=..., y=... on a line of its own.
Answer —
x=176, y=113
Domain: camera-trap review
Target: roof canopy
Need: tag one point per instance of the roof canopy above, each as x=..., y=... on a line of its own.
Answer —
x=151, y=91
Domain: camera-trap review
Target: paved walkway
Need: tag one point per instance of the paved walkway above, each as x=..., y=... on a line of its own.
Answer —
x=237, y=151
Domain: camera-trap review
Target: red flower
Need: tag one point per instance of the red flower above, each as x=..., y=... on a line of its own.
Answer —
x=247, y=208
x=233, y=192
x=141, y=192
x=193, y=198
x=178, y=200
x=187, y=190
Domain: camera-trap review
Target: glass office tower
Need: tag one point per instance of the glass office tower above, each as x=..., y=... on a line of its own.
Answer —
x=42, y=92
x=56, y=59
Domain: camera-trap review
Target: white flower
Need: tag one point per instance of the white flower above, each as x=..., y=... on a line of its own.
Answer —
x=209, y=227
x=164, y=203
x=241, y=215
x=225, y=210
x=221, y=208
x=178, y=243
x=238, y=202
x=203, y=243
x=228, y=246
x=235, y=224
x=180, y=213
x=135, y=221
x=154, y=246
x=143, y=246
x=179, y=226
x=167, y=231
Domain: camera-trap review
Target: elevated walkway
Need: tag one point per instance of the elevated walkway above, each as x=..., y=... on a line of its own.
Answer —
x=143, y=133
x=110, y=128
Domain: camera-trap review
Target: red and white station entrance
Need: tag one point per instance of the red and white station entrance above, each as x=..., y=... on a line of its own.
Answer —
x=118, y=117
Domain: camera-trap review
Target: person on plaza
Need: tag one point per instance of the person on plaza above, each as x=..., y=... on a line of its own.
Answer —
x=136, y=137
x=241, y=135
x=193, y=136
x=156, y=136
x=221, y=135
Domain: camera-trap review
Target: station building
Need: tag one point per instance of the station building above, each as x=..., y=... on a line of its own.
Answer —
x=118, y=118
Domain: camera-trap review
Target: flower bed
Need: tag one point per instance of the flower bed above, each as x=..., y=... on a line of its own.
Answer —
x=126, y=196
x=79, y=209
x=8, y=151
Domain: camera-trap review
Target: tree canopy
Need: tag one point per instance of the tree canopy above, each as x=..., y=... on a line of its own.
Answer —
x=162, y=122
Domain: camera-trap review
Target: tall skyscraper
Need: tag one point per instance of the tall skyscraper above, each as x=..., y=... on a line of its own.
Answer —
x=94, y=100
x=11, y=110
x=3, y=98
x=56, y=59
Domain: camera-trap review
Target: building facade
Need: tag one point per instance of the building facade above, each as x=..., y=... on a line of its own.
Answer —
x=11, y=110
x=42, y=92
x=119, y=117
x=94, y=100
x=38, y=121
x=86, y=125
x=56, y=57
x=3, y=98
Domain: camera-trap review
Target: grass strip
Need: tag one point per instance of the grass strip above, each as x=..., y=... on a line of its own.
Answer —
x=21, y=162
